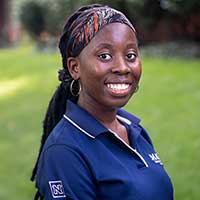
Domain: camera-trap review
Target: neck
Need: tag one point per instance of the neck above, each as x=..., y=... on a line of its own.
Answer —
x=105, y=115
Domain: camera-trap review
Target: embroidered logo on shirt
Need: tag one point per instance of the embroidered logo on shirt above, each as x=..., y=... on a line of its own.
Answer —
x=154, y=157
x=57, y=189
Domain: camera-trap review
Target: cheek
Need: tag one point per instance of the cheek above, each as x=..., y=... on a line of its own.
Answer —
x=90, y=77
x=137, y=69
x=92, y=70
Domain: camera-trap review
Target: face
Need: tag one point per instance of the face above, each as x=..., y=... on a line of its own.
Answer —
x=109, y=67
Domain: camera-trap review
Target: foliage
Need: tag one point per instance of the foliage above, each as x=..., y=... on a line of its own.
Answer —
x=153, y=8
x=46, y=15
x=167, y=102
x=57, y=13
x=33, y=18
x=49, y=15
x=161, y=20
x=181, y=7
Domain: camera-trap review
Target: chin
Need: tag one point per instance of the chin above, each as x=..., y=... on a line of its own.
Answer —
x=118, y=103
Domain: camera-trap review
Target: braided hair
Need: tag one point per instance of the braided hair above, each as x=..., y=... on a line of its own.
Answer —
x=78, y=31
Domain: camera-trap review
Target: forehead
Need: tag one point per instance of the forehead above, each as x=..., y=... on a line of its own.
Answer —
x=113, y=34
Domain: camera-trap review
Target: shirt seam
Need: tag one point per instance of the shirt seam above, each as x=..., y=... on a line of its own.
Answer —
x=129, y=147
x=78, y=127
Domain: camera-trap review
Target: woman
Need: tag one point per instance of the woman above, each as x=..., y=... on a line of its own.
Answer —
x=95, y=150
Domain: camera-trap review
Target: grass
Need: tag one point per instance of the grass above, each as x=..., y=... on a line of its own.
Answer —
x=167, y=102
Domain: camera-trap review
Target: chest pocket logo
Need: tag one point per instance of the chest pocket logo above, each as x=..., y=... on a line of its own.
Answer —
x=154, y=157
x=57, y=189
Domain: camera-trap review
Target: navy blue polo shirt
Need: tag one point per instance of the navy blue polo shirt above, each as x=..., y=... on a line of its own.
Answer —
x=83, y=160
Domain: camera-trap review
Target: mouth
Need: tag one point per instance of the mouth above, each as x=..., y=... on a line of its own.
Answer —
x=118, y=89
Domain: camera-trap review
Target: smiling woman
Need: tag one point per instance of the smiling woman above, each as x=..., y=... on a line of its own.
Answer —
x=91, y=148
x=111, y=75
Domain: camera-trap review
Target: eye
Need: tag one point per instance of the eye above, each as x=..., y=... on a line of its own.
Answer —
x=105, y=56
x=131, y=56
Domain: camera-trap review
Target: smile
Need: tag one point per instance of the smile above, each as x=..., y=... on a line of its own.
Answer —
x=118, y=89
x=118, y=86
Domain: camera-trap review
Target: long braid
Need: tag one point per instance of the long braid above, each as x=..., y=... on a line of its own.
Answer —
x=56, y=109
x=57, y=104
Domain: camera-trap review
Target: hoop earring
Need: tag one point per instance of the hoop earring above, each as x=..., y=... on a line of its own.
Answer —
x=72, y=88
x=136, y=89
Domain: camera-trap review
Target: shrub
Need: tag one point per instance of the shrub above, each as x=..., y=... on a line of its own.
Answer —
x=32, y=17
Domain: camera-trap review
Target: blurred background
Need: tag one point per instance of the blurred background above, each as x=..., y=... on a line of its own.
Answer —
x=168, y=100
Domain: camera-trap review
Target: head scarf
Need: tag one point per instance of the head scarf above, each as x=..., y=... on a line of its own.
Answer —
x=83, y=25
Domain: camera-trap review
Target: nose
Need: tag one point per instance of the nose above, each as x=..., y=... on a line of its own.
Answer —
x=120, y=66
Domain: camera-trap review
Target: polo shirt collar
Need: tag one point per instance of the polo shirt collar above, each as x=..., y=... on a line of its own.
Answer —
x=87, y=123
x=128, y=118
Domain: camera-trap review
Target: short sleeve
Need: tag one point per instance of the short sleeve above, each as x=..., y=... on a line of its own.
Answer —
x=63, y=173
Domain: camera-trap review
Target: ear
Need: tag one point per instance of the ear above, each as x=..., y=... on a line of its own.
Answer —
x=74, y=67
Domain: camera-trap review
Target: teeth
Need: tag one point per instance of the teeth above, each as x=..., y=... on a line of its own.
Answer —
x=118, y=86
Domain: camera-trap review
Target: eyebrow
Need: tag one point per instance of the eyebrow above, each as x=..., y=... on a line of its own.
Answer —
x=135, y=45
x=103, y=45
x=109, y=46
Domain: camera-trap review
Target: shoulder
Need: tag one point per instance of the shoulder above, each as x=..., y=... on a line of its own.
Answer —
x=64, y=133
x=63, y=165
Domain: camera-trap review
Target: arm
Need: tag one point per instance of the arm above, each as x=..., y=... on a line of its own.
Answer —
x=64, y=174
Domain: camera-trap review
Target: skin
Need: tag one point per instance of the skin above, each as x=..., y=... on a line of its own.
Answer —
x=109, y=70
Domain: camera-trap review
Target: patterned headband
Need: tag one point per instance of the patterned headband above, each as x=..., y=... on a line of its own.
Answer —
x=81, y=27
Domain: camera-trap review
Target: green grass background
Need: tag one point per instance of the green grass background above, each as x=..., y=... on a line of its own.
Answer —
x=167, y=102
